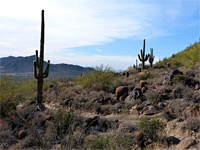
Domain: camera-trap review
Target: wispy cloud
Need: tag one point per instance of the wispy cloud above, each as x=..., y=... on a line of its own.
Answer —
x=98, y=50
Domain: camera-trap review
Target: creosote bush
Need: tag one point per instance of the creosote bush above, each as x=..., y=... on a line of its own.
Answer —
x=146, y=76
x=193, y=123
x=14, y=92
x=99, y=78
x=180, y=78
x=116, y=141
x=151, y=128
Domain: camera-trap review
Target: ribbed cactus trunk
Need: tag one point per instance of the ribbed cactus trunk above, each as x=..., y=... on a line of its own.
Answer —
x=39, y=63
x=143, y=57
x=151, y=58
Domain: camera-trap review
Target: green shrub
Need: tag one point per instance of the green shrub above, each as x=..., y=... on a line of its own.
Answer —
x=64, y=121
x=146, y=76
x=99, y=78
x=14, y=92
x=180, y=79
x=98, y=143
x=124, y=111
x=151, y=128
x=116, y=141
x=187, y=58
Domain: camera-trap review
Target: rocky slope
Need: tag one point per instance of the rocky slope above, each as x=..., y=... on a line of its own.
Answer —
x=172, y=96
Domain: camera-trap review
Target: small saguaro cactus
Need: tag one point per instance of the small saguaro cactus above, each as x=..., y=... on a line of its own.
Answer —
x=143, y=57
x=39, y=63
x=136, y=65
x=151, y=58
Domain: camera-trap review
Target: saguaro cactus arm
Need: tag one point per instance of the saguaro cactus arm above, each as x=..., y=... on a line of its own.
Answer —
x=46, y=73
x=37, y=59
x=35, y=69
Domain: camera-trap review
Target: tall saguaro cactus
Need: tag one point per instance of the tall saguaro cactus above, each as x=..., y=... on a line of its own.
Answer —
x=39, y=63
x=151, y=57
x=143, y=57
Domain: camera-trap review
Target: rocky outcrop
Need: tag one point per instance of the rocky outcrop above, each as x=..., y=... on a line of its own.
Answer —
x=187, y=143
x=171, y=75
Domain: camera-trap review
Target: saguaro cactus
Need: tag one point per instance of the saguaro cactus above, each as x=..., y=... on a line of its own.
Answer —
x=143, y=57
x=151, y=57
x=39, y=63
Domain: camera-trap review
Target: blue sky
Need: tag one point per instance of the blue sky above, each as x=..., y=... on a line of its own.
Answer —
x=94, y=32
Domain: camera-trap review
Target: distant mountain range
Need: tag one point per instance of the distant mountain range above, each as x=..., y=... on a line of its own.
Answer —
x=23, y=66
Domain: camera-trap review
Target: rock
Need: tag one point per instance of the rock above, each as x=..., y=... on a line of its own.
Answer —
x=92, y=121
x=135, y=95
x=186, y=143
x=121, y=93
x=139, y=139
x=99, y=124
x=68, y=102
x=25, y=112
x=102, y=100
x=151, y=110
x=172, y=140
x=172, y=74
x=197, y=86
x=22, y=134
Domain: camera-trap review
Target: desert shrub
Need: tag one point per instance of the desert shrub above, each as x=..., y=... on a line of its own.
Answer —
x=151, y=128
x=195, y=97
x=14, y=92
x=64, y=121
x=193, y=124
x=180, y=91
x=117, y=141
x=100, y=78
x=187, y=58
x=153, y=97
x=177, y=107
x=124, y=111
x=98, y=143
x=146, y=76
x=180, y=79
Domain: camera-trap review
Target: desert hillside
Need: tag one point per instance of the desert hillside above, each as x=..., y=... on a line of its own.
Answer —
x=152, y=108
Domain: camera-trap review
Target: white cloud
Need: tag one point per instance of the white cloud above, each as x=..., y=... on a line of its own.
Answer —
x=69, y=23
x=74, y=23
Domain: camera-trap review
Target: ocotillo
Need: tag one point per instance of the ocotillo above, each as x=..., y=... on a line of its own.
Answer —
x=39, y=63
x=143, y=57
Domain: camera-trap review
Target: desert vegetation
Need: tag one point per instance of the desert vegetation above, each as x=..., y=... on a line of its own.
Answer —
x=152, y=107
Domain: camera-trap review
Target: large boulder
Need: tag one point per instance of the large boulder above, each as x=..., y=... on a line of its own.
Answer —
x=121, y=93
x=187, y=143
x=171, y=75
x=134, y=95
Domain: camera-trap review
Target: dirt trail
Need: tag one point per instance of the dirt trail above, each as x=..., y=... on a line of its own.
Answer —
x=123, y=118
